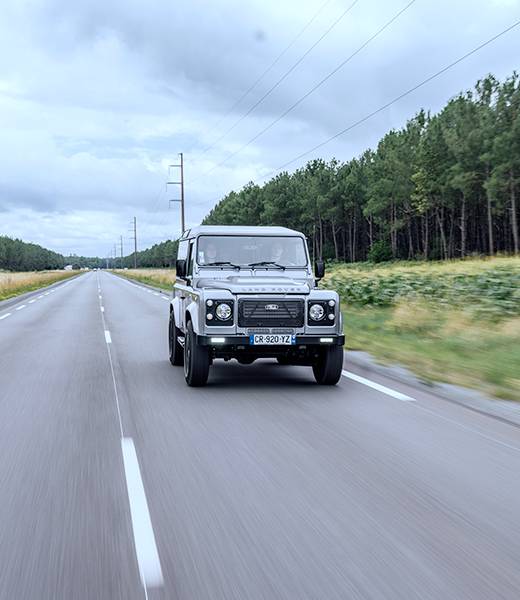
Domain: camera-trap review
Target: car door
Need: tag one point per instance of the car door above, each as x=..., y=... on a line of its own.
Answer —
x=181, y=288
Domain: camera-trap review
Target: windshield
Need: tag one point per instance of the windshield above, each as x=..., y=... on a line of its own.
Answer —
x=255, y=251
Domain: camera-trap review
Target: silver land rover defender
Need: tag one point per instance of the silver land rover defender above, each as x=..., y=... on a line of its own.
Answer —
x=248, y=293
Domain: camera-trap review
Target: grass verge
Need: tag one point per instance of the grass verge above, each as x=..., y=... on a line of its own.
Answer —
x=162, y=278
x=14, y=284
x=451, y=346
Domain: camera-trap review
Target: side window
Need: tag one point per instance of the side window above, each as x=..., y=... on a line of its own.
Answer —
x=189, y=267
x=182, y=251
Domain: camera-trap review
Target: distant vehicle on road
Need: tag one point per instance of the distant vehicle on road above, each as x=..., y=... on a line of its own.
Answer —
x=248, y=293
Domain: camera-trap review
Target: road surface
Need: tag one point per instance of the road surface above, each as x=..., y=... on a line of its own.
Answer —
x=119, y=481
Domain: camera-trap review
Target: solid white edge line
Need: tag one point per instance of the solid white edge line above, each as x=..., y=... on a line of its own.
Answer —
x=5, y=316
x=377, y=386
x=108, y=338
x=144, y=539
x=20, y=307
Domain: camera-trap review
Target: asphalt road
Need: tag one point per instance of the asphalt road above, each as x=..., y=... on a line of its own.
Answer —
x=260, y=486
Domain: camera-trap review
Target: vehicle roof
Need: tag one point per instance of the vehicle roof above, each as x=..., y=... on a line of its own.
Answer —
x=237, y=230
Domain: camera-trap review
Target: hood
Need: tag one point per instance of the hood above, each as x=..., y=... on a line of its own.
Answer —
x=237, y=284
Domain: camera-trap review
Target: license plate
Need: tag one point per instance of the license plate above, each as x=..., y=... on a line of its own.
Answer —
x=272, y=339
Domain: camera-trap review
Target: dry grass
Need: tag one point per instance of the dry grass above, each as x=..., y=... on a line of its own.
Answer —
x=13, y=284
x=163, y=278
x=412, y=315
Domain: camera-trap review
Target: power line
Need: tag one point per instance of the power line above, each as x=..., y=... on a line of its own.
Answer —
x=315, y=87
x=397, y=98
x=393, y=101
x=267, y=70
x=284, y=76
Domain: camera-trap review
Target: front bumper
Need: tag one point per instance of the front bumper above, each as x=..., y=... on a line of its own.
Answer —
x=223, y=341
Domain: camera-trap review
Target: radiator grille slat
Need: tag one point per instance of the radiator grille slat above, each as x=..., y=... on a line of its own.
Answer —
x=270, y=313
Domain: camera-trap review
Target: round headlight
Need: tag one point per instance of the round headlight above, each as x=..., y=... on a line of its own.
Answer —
x=316, y=312
x=223, y=311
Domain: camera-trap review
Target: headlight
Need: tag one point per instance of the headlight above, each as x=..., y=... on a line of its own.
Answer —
x=223, y=311
x=316, y=312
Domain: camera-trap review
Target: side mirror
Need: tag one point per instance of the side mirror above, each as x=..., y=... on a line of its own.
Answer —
x=180, y=267
x=319, y=269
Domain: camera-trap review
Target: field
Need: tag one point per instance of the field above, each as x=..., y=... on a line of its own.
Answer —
x=455, y=321
x=13, y=284
x=163, y=278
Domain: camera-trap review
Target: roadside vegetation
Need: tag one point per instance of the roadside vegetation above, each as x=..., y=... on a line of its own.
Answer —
x=452, y=321
x=163, y=278
x=14, y=284
x=445, y=185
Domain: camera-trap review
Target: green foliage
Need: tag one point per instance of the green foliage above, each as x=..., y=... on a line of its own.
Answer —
x=158, y=256
x=443, y=186
x=16, y=255
x=380, y=252
x=488, y=289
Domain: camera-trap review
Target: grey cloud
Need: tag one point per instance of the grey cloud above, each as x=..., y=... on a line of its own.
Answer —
x=97, y=98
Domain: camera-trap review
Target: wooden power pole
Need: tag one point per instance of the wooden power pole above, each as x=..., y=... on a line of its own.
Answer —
x=181, y=184
x=135, y=242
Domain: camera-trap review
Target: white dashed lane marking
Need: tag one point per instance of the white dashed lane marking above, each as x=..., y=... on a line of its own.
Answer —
x=20, y=307
x=108, y=338
x=144, y=539
x=5, y=316
x=377, y=386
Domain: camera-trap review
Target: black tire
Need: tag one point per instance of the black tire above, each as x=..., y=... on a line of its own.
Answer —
x=327, y=370
x=196, y=360
x=175, y=349
x=246, y=360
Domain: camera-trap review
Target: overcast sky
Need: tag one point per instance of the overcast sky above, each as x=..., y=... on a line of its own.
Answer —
x=97, y=97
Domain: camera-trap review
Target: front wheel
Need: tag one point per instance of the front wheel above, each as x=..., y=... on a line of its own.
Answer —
x=176, y=351
x=328, y=367
x=283, y=360
x=196, y=360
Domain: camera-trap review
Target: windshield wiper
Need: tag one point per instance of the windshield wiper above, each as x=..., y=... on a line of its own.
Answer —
x=266, y=263
x=221, y=263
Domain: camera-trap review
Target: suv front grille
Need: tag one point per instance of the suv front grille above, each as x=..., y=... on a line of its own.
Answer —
x=270, y=312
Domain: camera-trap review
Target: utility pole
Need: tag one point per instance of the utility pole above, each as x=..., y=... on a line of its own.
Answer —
x=135, y=242
x=115, y=256
x=121, y=242
x=181, y=184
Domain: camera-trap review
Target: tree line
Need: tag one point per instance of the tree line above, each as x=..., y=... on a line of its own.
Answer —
x=16, y=255
x=159, y=256
x=445, y=185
